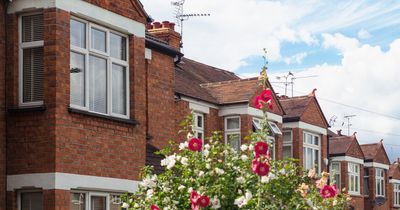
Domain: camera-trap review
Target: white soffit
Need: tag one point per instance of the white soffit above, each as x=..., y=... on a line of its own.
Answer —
x=65, y=181
x=348, y=159
x=376, y=165
x=84, y=10
x=306, y=126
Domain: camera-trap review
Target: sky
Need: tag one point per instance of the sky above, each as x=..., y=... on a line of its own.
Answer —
x=348, y=50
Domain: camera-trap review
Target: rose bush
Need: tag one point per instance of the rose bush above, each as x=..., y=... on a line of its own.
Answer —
x=212, y=175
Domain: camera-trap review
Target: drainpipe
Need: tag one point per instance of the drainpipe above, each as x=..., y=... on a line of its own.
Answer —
x=6, y=4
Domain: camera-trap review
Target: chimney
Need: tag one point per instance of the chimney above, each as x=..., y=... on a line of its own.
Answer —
x=283, y=97
x=339, y=132
x=166, y=32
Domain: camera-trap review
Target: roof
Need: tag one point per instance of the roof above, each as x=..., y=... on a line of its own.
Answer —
x=370, y=150
x=190, y=74
x=153, y=42
x=295, y=106
x=339, y=145
x=395, y=167
x=232, y=91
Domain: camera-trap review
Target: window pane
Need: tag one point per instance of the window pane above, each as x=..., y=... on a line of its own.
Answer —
x=199, y=135
x=316, y=160
x=78, y=33
x=316, y=140
x=32, y=64
x=78, y=201
x=232, y=123
x=287, y=151
x=366, y=186
x=31, y=201
x=97, y=84
x=118, y=46
x=115, y=202
x=199, y=121
x=99, y=40
x=309, y=159
x=287, y=137
x=77, y=79
x=98, y=203
x=234, y=141
x=119, y=89
x=32, y=28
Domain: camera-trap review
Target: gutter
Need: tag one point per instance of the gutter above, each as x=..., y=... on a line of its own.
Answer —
x=163, y=48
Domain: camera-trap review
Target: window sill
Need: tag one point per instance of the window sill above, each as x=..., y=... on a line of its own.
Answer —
x=127, y=121
x=38, y=108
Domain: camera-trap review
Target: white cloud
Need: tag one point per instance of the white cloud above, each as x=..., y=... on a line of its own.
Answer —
x=340, y=42
x=363, y=34
x=368, y=78
x=297, y=58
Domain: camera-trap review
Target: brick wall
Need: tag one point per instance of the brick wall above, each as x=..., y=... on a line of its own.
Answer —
x=128, y=8
x=2, y=109
x=357, y=200
x=312, y=115
x=369, y=201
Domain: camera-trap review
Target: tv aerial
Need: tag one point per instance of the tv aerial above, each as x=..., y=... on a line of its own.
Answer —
x=289, y=80
x=180, y=16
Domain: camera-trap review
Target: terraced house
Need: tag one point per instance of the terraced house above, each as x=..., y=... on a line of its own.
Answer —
x=89, y=89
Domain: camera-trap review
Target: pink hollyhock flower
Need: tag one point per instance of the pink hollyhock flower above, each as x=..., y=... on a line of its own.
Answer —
x=260, y=168
x=328, y=191
x=266, y=95
x=154, y=207
x=261, y=148
x=194, y=197
x=259, y=102
x=195, y=144
x=204, y=201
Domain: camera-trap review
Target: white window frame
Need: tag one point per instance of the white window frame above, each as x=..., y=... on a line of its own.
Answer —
x=21, y=47
x=380, y=179
x=232, y=131
x=396, y=195
x=288, y=143
x=110, y=60
x=89, y=196
x=356, y=175
x=19, y=206
x=313, y=147
x=332, y=177
x=197, y=129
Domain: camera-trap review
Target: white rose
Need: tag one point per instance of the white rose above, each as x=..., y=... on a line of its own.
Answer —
x=244, y=147
x=207, y=146
x=169, y=161
x=125, y=205
x=219, y=171
x=184, y=161
x=208, y=166
x=240, y=180
x=201, y=173
x=183, y=145
x=181, y=187
x=244, y=157
x=206, y=152
x=215, y=203
x=251, y=147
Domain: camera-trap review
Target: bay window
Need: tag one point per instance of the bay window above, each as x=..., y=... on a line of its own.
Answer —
x=354, y=178
x=366, y=181
x=31, y=60
x=335, y=174
x=380, y=182
x=311, y=151
x=232, y=132
x=99, y=74
x=396, y=195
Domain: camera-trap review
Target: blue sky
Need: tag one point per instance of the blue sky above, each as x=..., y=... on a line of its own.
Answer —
x=353, y=47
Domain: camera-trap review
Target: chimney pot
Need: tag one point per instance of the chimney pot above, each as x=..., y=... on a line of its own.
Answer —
x=165, y=24
x=312, y=94
x=157, y=25
x=172, y=26
x=339, y=132
x=149, y=26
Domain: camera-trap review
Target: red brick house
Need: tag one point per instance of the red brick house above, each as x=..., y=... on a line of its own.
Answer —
x=76, y=102
x=394, y=185
x=346, y=161
x=376, y=169
x=305, y=131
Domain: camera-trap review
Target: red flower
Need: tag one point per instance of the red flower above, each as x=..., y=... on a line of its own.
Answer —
x=259, y=102
x=194, y=197
x=261, y=148
x=266, y=95
x=328, y=191
x=260, y=168
x=154, y=207
x=195, y=144
x=204, y=201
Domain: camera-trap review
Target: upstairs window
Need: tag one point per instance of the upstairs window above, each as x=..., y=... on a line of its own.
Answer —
x=31, y=60
x=354, y=178
x=366, y=181
x=396, y=195
x=198, y=127
x=335, y=174
x=311, y=151
x=232, y=132
x=94, y=201
x=99, y=70
x=287, y=144
x=31, y=201
x=380, y=182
